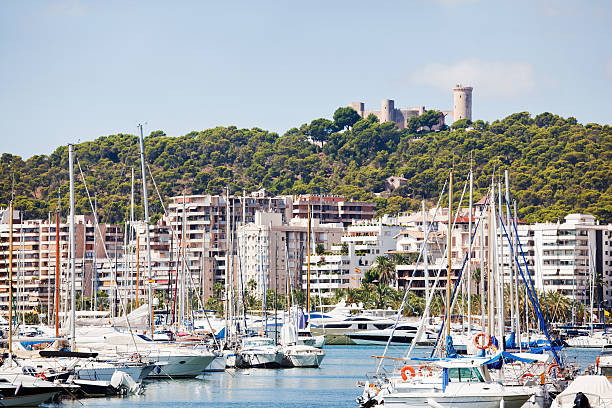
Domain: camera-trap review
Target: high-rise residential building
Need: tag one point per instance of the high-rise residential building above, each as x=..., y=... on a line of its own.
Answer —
x=270, y=251
x=205, y=221
x=565, y=256
x=34, y=257
x=332, y=209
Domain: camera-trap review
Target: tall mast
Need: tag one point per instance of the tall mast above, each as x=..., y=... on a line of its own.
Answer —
x=130, y=240
x=482, y=272
x=449, y=246
x=500, y=273
x=95, y=255
x=425, y=260
x=228, y=269
x=182, y=280
x=490, y=277
x=469, y=258
x=146, y=220
x=138, y=268
x=513, y=322
x=57, y=268
x=10, y=280
x=308, y=268
x=72, y=253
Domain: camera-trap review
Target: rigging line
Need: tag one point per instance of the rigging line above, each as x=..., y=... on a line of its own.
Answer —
x=534, y=299
x=401, y=307
x=97, y=228
x=174, y=234
x=459, y=277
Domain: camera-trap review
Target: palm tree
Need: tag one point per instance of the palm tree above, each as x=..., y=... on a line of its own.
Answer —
x=384, y=269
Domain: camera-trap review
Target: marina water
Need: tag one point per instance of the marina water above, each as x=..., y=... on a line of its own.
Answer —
x=331, y=385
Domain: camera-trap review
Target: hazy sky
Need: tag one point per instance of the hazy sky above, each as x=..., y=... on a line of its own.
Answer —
x=74, y=70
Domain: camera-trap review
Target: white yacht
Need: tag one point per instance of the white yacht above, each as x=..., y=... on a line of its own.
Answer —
x=299, y=355
x=171, y=361
x=403, y=334
x=22, y=390
x=336, y=332
x=259, y=352
x=444, y=383
x=295, y=354
x=597, y=340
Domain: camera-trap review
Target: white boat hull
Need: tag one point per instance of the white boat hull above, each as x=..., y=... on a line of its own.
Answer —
x=180, y=366
x=259, y=359
x=27, y=400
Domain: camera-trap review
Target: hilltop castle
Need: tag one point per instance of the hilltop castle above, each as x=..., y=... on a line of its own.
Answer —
x=462, y=108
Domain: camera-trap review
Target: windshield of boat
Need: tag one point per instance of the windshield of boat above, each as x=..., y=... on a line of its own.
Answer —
x=464, y=374
x=258, y=342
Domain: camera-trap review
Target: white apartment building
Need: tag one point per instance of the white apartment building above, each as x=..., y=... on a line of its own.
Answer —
x=564, y=256
x=345, y=266
x=34, y=259
x=269, y=250
x=206, y=227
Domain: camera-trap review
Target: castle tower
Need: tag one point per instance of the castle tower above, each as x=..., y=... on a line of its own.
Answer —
x=387, y=111
x=358, y=106
x=462, y=108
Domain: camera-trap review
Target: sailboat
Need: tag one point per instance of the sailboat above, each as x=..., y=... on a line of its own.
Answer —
x=451, y=380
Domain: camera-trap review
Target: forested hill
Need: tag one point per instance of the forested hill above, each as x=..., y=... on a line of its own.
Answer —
x=556, y=165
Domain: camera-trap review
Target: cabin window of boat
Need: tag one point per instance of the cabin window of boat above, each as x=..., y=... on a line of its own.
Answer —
x=465, y=374
x=260, y=342
x=607, y=371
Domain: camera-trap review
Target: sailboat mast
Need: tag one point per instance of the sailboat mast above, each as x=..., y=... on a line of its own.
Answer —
x=146, y=220
x=130, y=240
x=57, y=271
x=489, y=269
x=500, y=273
x=95, y=255
x=137, y=269
x=469, y=258
x=513, y=290
x=182, y=280
x=425, y=256
x=308, y=266
x=449, y=247
x=228, y=271
x=72, y=252
x=10, y=279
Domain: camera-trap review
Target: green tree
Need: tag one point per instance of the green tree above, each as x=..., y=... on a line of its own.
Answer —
x=320, y=129
x=346, y=117
x=461, y=123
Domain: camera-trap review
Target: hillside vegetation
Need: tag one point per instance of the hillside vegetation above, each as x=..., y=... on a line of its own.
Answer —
x=556, y=165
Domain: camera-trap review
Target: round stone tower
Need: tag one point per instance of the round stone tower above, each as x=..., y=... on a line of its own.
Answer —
x=387, y=111
x=462, y=108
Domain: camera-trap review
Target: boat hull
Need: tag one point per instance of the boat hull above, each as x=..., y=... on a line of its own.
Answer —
x=32, y=400
x=472, y=401
x=259, y=360
x=180, y=366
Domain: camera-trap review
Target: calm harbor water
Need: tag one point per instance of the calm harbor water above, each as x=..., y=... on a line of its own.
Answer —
x=331, y=385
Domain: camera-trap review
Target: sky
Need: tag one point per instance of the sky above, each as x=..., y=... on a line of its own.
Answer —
x=74, y=70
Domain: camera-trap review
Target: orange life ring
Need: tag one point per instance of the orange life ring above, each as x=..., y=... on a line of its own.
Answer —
x=597, y=362
x=42, y=375
x=488, y=341
x=526, y=375
x=407, y=368
x=424, y=367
